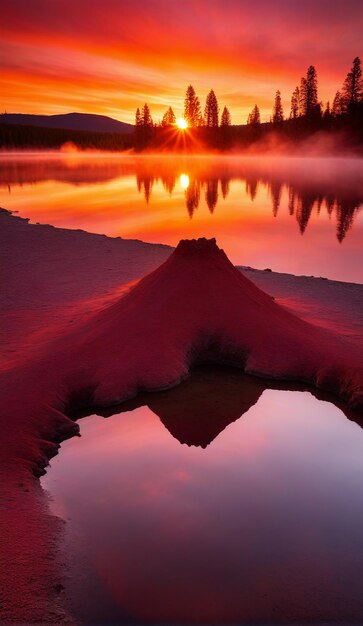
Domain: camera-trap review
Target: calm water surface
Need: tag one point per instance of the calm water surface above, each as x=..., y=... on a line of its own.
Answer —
x=297, y=215
x=220, y=501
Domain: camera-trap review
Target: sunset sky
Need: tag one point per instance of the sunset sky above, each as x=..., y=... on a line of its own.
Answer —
x=110, y=56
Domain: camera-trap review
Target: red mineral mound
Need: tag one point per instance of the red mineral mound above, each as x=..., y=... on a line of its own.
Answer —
x=196, y=307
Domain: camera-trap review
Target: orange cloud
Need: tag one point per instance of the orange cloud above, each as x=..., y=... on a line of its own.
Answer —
x=109, y=58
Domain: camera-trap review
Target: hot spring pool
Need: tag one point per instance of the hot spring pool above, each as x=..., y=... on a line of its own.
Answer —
x=220, y=501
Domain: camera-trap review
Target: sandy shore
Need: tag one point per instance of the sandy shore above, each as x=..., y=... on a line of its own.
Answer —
x=58, y=281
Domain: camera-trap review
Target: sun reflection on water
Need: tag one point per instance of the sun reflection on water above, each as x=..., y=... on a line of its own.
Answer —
x=184, y=181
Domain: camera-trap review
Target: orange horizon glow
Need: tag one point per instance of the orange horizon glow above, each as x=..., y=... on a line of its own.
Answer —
x=111, y=58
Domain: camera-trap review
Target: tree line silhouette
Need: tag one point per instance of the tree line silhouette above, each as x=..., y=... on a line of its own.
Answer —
x=14, y=136
x=307, y=114
x=210, y=128
x=302, y=200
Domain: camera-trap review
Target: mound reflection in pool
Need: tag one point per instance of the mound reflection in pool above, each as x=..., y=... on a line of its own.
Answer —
x=265, y=524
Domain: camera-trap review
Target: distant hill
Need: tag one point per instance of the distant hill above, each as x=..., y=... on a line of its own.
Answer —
x=69, y=121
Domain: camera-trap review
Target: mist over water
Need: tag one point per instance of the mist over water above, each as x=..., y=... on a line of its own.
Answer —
x=291, y=214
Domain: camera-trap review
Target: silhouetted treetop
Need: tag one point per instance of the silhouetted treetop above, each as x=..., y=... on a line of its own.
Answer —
x=277, y=113
x=254, y=117
x=169, y=118
x=309, y=92
x=138, y=120
x=337, y=105
x=352, y=92
x=295, y=104
x=327, y=112
x=146, y=119
x=211, y=110
x=226, y=117
x=192, y=113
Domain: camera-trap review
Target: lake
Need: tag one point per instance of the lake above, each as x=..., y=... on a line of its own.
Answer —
x=220, y=501
x=228, y=499
x=295, y=215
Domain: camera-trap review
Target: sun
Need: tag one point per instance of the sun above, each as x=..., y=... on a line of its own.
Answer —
x=181, y=123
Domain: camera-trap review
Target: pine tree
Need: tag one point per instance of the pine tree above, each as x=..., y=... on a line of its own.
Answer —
x=138, y=121
x=277, y=113
x=254, y=117
x=337, y=105
x=302, y=96
x=327, y=112
x=309, y=92
x=295, y=104
x=192, y=112
x=211, y=110
x=169, y=118
x=352, y=91
x=146, y=119
x=226, y=117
